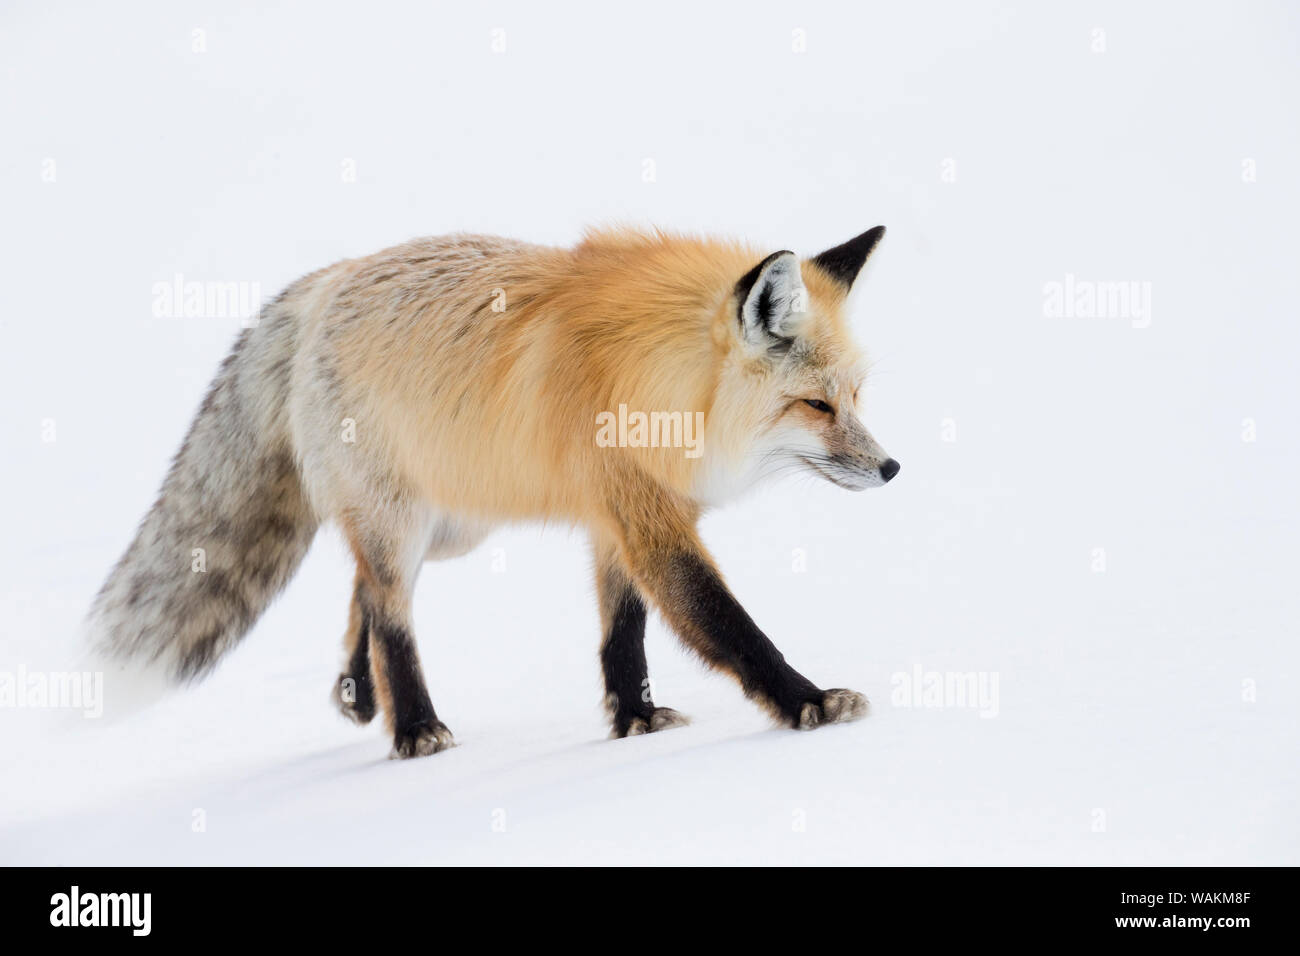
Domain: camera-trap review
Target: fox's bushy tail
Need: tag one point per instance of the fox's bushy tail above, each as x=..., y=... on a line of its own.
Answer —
x=229, y=528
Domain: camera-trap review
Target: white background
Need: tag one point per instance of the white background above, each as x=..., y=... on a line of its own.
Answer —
x=1125, y=731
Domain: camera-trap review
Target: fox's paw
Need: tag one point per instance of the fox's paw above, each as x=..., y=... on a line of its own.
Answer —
x=421, y=739
x=355, y=699
x=663, y=718
x=837, y=706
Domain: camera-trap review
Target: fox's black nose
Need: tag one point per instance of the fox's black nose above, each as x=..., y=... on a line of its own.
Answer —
x=889, y=469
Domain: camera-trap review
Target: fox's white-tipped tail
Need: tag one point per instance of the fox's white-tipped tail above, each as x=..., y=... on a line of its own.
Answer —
x=128, y=685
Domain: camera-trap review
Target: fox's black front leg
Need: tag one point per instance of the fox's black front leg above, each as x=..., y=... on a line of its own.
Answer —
x=622, y=657
x=711, y=622
x=730, y=639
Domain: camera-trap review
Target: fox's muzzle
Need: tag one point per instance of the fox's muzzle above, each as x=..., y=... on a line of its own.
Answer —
x=855, y=460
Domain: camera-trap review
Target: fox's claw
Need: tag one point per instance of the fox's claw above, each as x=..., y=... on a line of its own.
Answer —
x=424, y=738
x=663, y=718
x=837, y=706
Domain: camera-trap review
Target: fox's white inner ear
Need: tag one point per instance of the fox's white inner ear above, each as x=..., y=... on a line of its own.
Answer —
x=773, y=301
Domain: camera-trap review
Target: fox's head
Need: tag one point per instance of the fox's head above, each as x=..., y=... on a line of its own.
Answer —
x=792, y=384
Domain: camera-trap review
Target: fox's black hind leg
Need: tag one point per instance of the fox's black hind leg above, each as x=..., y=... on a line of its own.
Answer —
x=622, y=654
x=354, y=691
x=389, y=546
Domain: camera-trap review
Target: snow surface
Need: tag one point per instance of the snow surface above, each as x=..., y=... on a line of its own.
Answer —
x=1146, y=713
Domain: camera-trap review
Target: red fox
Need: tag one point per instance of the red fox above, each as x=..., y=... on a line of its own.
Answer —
x=423, y=395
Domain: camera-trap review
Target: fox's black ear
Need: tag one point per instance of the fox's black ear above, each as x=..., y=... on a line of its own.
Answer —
x=846, y=261
x=772, y=299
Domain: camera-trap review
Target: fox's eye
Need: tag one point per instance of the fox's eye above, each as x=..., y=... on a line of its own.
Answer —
x=821, y=406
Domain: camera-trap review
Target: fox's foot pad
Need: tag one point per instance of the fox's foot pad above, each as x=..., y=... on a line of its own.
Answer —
x=355, y=699
x=663, y=718
x=837, y=706
x=420, y=740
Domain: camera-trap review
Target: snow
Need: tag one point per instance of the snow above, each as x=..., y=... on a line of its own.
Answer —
x=1144, y=712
